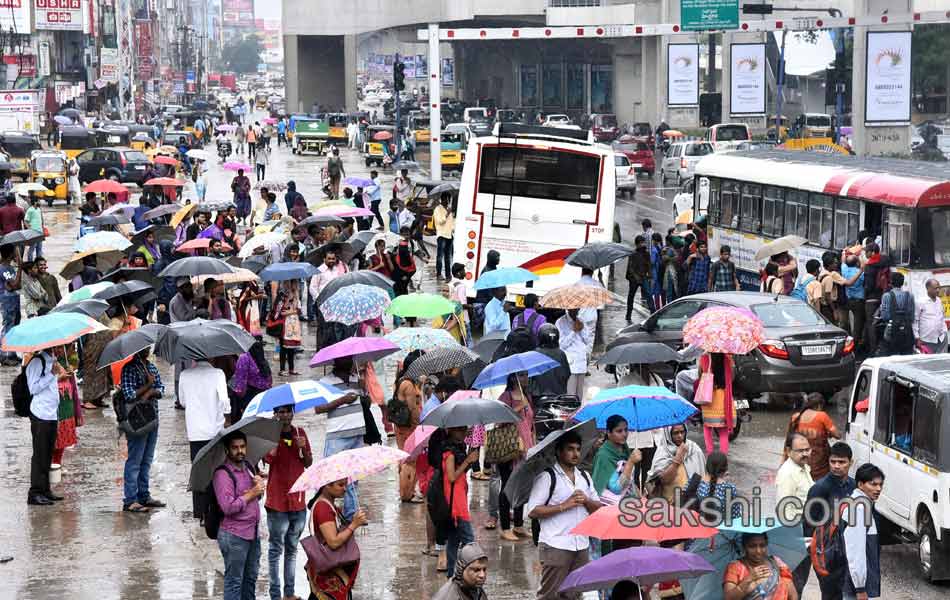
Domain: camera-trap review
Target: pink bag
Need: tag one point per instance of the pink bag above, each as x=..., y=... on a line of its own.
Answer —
x=704, y=390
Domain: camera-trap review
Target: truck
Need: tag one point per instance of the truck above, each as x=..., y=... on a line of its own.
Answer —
x=21, y=110
x=898, y=420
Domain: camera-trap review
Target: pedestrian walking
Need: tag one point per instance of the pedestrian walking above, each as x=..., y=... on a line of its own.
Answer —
x=375, y=192
x=638, y=276
x=697, y=269
x=345, y=426
x=613, y=468
x=854, y=314
x=517, y=397
x=794, y=480
x=715, y=484
x=253, y=137
x=281, y=133
x=35, y=301
x=140, y=381
x=722, y=273
x=241, y=188
x=42, y=373
x=335, y=171
x=203, y=392
x=11, y=216
x=862, y=579
x=285, y=318
x=333, y=529
x=575, y=338
x=894, y=323
x=455, y=461
x=240, y=136
x=930, y=327
x=444, y=219
x=678, y=463
x=827, y=491
x=815, y=424
x=34, y=220
x=261, y=160
x=718, y=410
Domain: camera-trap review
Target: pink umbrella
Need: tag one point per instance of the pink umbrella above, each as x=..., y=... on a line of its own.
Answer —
x=362, y=348
x=201, y=243
x=351, y=465
x=270, y=121
x=236, y=166
x=416, y=442
x=344, y=211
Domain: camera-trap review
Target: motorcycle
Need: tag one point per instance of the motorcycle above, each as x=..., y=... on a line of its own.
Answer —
x=552, y=413
x=224, y=150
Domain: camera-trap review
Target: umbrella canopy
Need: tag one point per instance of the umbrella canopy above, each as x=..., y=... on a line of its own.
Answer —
x=782, y=244
x=85, y=292
x=164, y=160
x=202, y=339
x=99, y=240
x=21, y=237
x=639, y=353
x=658, y=522
x=130, y=343
x=262, y=437
x=181, y=214
x=201, y=244
x=489, y=344
x=410, y=339
x=196, y=265
x=123, y=208
x=161, y=211
x=361, y=239
x=542, y=456
x=254, y=263
x=92, y=307
x=48, y=331
x=287, y=270
x=301, y=394
x=344, y=251
x=421, y=305
x=364, y=349
x=409, y=165
x=104, y=186
x=685, y=217
x=133, y=274
x=655, y=408
x=417, y=440
x=355, y=304
x=126, y=288
x=236, y=166
x=531, y=362
x=504, y=276
x=198, y=154
x=597, y=255
x=351, y=465
x=724, y=329
x=576, y=295
x=215, y=206
x=165, y=181
x=448, y=186
x=271, y=185
x=469, y=412
x=29, y=186
x=63, y=120
x=645, y=565
x=382, y=135
x=323, y=219
x=360, y=182
x=264, y=240
x=113, y=219
x=367, y=277
x=671, y=133
x=239, y=276
x=440, y=361
x=345, y=211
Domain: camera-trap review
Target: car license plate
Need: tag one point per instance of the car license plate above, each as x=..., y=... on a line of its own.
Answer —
x=742, y=404
x=823, y=350
x=139, y=167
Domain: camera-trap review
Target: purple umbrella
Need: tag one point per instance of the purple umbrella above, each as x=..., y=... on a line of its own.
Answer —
x=646, y=565
x=365, y=349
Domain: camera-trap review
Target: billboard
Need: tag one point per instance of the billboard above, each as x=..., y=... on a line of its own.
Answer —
x=887, y=77
x=238, y=13
x=109, y=65
x=747, y=79
x=682, y=75
x=62, y=15
x=448, y=71
x=15, y=15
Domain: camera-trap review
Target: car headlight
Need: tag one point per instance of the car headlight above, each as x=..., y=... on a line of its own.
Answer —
x=60, y=180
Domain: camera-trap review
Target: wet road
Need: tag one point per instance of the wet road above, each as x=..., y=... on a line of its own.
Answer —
x=86, y=548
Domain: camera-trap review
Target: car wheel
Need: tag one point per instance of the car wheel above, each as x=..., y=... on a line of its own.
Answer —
x=926, y=539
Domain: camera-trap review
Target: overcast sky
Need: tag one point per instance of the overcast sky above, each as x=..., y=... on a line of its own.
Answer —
x=267, y=9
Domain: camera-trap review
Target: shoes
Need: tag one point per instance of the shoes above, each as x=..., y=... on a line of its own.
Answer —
x=178, y=405
x=509, y=536
x=39, y=500
x=153, y=503
x=521, y=532
x=52, y=496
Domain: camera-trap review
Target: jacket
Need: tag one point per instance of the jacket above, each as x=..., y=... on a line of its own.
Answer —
x=863, y=549
x=638, y=266
x=830, y=489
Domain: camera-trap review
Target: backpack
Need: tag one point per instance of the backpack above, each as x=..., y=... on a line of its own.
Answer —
x=536, y=523
x=827, y=548
x=397, y=411
x=837, y=297
x=213, y=515
x=527, y=325
x=20, y=390
x=799, y=291
x=882, y=280
x=439, y=507
x=899, y=330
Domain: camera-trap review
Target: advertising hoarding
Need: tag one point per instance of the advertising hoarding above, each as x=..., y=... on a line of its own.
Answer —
x=887, y=77
x=747, y=79
x=682, y=75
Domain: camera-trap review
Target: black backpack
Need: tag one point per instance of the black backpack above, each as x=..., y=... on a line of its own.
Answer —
x=213, y=515
x=898, y=331
x=397, y=411
x=20, y=390
x=439, y=507
x=536, y=523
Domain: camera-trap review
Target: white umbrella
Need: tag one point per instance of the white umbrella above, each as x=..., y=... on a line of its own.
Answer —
x=263, y=240
x=782, y=244
x=199, y=154
x=25, y=188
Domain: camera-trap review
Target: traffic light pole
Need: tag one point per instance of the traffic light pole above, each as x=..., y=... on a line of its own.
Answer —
x=398, y=111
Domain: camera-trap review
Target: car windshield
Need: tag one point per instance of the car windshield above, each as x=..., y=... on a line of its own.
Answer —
x=731, y=133
x=818, y=120
x=608, y=121
x=787, y=314
x=50, y=164
x=698, y=149
x=134, y=156
x=641, y=129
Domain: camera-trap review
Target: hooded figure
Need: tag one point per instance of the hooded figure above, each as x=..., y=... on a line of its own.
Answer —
x=290, y=197
x=467, y=583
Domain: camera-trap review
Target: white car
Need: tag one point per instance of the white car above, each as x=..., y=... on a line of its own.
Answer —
x=556, y=120
x=680, y=160
x=626, y=174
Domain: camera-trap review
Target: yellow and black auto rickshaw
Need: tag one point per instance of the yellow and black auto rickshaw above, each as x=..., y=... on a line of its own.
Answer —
x=419, y=127
x=338, y=123
x=112, y=136
x=73, y=139
x=452, y=151
x=141, y=137
x=375, y=151
x=49, y=168
x=19, y=145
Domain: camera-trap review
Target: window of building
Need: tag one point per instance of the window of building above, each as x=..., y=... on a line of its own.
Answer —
x=796, y=213
x=552, y=85
x=730, y=204
x=847, y=217
x=820, y=220
x=751, y=207
x=529, y=85
x=602, y=88
x=773, y=211
x=576, y=84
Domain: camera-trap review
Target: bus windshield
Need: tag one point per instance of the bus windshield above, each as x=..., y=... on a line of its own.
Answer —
x=818, y=120
x=731, y=133
x=539, y=173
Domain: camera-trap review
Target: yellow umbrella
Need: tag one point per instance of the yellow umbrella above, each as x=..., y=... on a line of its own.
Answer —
x=106, y=260
x=240, y=275
x=685, y=217
x=183, y=213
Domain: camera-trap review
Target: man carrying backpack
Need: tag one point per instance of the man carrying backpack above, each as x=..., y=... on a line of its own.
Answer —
x=834, y=299
x=140, y=381
x=530, y=318
x=831, y=488
x=42, y=375
x=895, y=320
x=862, y=579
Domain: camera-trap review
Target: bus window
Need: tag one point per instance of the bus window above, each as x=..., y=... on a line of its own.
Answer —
x=751, y=207
x=939, y=219
x=540, y=173
x=898, y=233
x=713, y=209
x=820, y=220
x=730, y=204
x=773, y=211
x=847, y=214
x=796, y=213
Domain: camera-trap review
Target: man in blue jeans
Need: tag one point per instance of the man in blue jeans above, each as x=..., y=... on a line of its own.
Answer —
x=9, y=298
x=140, y=380
x=345, y=423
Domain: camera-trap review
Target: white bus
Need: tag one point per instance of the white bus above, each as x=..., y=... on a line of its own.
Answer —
x=534, y=194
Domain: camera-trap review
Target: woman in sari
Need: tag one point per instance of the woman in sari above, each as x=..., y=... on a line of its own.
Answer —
x=612, y=475
x=815, y=424
x=287, y=311
x=517, y=397
x=96, y=383
x=249, y=308
x=329, y=528
x=757, y=574
x=677, y=461
x=410, y=393
x=70, y=410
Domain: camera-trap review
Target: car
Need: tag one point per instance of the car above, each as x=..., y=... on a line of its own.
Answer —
x=802, y=351
x=556, y=120
x=626, y=174
x=604, y=127
x=680, y=160
x=683, y=200
x=124, y=165
x=459, y=128
x=639, y=152
x=480, y=127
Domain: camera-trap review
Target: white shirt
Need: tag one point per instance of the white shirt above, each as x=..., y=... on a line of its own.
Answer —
x=793, y=480
x=44, y=388
x=589, y=315
x=346, y=420
x=574, y=343
x=929, y=323
x=324, y=276
x=203, y=391
x=555, y=530
x=405, y=218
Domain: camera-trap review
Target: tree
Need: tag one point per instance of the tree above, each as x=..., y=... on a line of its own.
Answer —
x=929, y=66
x=243, y=55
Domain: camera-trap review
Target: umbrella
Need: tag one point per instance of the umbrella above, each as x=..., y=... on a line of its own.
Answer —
x=645, y=565
x=215, y=206
x=644, y=409
x=270, y=121
x=724, y=329
x=382, y=135
x=239, y=276
x=21, y=237
x=658, y=521
x=226, y=127
x=126, y=288
x=344, y=251
x=468, y=412
x=351, y=465
x=104, y=186
x=355, y=304
x=262, y=437
x=543, y=455
x=787, y=543
x=86, y=292
x=201, y=244
x=92, y=307
x=133, y=274
x=264, y=240
x=441, y=360
x=639, y=353
x=181, y=214
x=25, y=188
x=113, y=219
x=287, y=270
x=597, y=255
x=409, y=165
x=672, y=133
x=417, y=440
x=63, y=120
x=196, y=265
x=338, y=202
x=202, y=339
x=166, y=149
x=161, y=211
x=165, y=181
x=782, y=244
x=410, y=339
x=685, y=217
x=361, y=239
x=120, y=208
x=421, y=305
x=48, y=331
x=199, y=154
x=576, y=295
x=359, y=348
x=531, y=362
x=344, y=212
x=448, y=186
x=100, y=240
x=164, y=160
x=130, y=343
x=301, y=394
x=489, y=344
x=503, y=277
x=367, y=277
x=71, y=113
x=236, y=166
x=360, y=182
x=255, y=263
x=270, y=184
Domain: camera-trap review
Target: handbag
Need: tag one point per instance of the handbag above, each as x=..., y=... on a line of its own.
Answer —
x=503, y=444
x=321, y=558
x=704, y=389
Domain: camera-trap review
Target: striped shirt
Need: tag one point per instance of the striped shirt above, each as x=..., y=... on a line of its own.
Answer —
x=346, y=420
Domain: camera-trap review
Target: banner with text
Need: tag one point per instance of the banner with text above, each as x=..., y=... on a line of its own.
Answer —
x=887, y=77
x=747, y=79
x=60, y=15
x=109, y=65
x=15, y=16
x=682, y=75
x=448, y=72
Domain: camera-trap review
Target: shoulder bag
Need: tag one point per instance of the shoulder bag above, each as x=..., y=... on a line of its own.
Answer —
x=503, y=444
x=320, y=557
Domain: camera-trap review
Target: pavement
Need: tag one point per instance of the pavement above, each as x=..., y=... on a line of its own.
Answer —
x=86, y=548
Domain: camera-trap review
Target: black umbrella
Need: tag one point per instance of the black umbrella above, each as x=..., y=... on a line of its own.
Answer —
x=360, y=240
x=448, y=186
x=639, y=353
x=345, y=252
x=133, y=288
x=91, y=307
x=597, y=255
x=470, y=411
x=262, y=437
x=21, y=237
x=162, y=232
x=129, y=343
x=133, y=274
x=322, y=220
x=367, y=277
x=113, y=219
x=255, y=263
x=202, y=339
x=489, y=344
x=196, y=265
x=440, y=361
x=161, y=211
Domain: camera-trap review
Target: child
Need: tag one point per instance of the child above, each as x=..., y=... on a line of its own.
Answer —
x=455, y=462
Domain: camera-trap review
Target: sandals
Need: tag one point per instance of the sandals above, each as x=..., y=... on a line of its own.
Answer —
x=294, y=373
x=135, y=507
x=281, y=374
x=431, y=552
x=491, y=523
x=89, y=406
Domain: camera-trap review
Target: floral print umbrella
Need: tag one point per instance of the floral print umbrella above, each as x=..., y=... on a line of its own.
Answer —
x=351, y=465
x=355, y=304
x=725, y=329
x=410, y=339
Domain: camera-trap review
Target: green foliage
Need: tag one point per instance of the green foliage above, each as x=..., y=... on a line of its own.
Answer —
x=243, y=55
x=931, y=45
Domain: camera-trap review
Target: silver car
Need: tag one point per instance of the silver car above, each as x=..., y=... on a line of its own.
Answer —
x=680, y=160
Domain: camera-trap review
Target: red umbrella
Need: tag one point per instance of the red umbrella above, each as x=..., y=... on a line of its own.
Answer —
x=653, y=523
x=105, y=186
x=201, y=243
x=382, y=135
x=165, y=160
x=165, y=181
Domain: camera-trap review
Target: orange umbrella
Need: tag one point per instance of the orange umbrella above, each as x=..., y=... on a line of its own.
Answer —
x=165, y=160
x=105, y=186
x=673, y=133
x=642, y=521
x=382, y=135
x=201, y=243
x=165, y=181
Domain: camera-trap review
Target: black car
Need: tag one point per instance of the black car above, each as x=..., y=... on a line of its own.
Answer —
x=121, y=164
x=802, y=351
x=480, y=127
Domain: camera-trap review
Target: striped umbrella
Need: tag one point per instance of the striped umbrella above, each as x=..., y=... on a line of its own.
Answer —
x=576, y=295
x=440, y=361
x=355, y=304
x=49, y=331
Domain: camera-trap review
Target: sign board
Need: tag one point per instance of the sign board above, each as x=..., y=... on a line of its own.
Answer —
x=23, y=66
x=747, y=79
x=190, y=76
x=704, y=15
x=887, y=77
x=109, y=65
x=43, y=62
x=422, y=67
x=15, y=15
x=60, y=15
x=19, y=100
x=410, y=63
x=682, y=75
x=448, y=71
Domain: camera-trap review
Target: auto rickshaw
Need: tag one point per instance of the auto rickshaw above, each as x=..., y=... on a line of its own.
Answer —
x=171, y=138
x=112, y=136
x=141, y=136
x=423, y=206
x=419, y=127
x=260, y=99
x=19, y=145
x=292, y=125
x=338, y=123
x=73, y=139
x=49, y=168
x=311, y=136
x=375, y=151
x=452, y=151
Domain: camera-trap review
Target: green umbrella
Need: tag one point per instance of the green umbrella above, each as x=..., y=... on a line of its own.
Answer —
x=421, y=305
x=86, y=292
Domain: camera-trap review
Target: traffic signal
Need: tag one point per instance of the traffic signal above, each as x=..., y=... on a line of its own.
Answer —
x=399, y=76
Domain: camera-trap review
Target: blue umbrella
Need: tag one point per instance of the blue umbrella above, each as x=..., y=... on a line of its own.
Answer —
x=642, y=412
x=533, y=363
x=301, y=394
x=787, y=543
x=48, y=331
x=504, y=277
x=360, y=182
x=287, y=270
